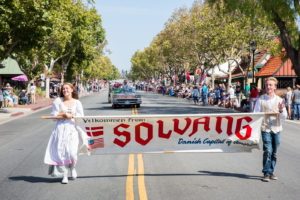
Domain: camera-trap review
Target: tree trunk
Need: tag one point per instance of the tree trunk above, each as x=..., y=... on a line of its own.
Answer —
x=292, y=53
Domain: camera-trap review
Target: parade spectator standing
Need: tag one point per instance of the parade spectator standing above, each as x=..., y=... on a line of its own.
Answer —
x=253, y=97
x=271, y=126
x=218, y=95
x=32, y=93
x=288, y=101
x=247, y=91
x=62, y=149
x=296, y=102
x=196, y=94
x=231, y=96
x=204, y=94
x=210, y=96
x=223, y=95
x=1, y=98
x=238, y=90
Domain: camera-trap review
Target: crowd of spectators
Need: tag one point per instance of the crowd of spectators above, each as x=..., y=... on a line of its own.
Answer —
x=234, y=97
x=11, y=96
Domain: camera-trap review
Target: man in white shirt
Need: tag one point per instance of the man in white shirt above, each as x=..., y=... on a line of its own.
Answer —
x=271, y=126
x=231, y=96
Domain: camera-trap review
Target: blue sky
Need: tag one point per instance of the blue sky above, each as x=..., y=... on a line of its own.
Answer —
x=132, y=24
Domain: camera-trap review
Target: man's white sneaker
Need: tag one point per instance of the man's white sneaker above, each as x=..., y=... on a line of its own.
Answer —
x=65, y=180
x=73, y=173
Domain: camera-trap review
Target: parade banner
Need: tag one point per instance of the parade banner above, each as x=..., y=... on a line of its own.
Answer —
x=230, y=132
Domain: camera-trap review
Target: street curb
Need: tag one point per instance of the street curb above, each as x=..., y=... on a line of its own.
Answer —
x=17, y=114
x=37, y=108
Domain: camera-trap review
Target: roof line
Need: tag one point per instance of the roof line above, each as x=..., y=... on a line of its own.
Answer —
x=282, y=64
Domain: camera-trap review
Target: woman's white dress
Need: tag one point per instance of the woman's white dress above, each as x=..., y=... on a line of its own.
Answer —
x=62, y=149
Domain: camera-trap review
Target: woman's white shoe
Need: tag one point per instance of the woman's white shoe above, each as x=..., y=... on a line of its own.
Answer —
x=65, y=180
x=73, y=173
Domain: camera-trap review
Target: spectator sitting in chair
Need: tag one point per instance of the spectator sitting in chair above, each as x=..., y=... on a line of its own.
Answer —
x=23, y=96
x=8, y=98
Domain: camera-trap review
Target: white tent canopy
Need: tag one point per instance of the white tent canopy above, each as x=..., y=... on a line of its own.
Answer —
x=224, y=67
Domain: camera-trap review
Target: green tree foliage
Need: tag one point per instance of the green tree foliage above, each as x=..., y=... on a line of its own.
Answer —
x=23, y=25
x=283, y=13
x=56, y=35
x=203, y=37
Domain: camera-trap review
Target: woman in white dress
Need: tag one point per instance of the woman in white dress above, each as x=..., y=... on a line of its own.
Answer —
x=62, y=149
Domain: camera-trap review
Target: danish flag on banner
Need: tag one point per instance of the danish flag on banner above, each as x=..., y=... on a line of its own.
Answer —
x=94, y=131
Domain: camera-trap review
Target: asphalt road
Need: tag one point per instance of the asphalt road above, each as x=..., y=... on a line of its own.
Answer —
x=213, y=176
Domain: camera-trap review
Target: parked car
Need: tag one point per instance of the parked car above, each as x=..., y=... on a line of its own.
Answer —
x=126, y=97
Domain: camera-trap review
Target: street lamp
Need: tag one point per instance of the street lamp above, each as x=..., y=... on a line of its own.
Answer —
x=253, y=46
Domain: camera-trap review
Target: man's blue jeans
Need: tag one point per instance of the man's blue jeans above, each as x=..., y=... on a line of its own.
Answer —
x=296, y=107
x=204, y=98
x=270, y=148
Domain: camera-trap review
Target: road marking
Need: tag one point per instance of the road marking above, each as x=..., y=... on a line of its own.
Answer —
x=141, y=178
x=129, y=180
x=132, y=173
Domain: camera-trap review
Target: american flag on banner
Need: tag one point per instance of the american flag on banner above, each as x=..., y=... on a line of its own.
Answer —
x=94, y=131
x=96, y=143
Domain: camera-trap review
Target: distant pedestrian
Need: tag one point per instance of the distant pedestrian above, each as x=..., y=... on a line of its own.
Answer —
x=1, y=98
x=217, y=95
x=32, y=93
x=204, y=94
x=253, y=97
x=196, y=94
x=231, y=93
x=296, y=102
x=247, y=91
x=62, y=149
x=288, y=101
x=271, y=126
x=238, y=90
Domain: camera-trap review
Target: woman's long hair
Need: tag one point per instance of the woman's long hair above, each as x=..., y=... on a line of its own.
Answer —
x=74, y=93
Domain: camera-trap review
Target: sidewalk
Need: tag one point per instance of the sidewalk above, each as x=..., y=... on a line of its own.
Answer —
x=8, y=114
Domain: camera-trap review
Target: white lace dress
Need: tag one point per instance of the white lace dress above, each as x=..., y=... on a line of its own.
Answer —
x=62, y=149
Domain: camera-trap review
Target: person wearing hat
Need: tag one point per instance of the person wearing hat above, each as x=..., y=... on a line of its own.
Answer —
x=296, y=102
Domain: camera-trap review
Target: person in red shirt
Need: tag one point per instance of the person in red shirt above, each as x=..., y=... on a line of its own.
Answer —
x=253, y=97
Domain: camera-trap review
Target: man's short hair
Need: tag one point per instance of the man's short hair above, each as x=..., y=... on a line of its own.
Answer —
x=271, y=78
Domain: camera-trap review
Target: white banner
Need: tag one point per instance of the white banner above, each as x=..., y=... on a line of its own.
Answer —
x=230, y=132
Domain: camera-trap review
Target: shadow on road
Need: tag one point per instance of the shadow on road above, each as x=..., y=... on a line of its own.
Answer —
x=226, y=174
x=35, y=179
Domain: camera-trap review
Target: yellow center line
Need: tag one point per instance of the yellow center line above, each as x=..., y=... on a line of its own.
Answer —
x=132, y=172
x=129, y=180
x=141, y=178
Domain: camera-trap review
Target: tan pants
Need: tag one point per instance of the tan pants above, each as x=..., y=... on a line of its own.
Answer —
x=32, y=98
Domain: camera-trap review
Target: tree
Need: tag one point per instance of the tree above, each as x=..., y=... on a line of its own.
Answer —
x=23, y=24
x=283, y=13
